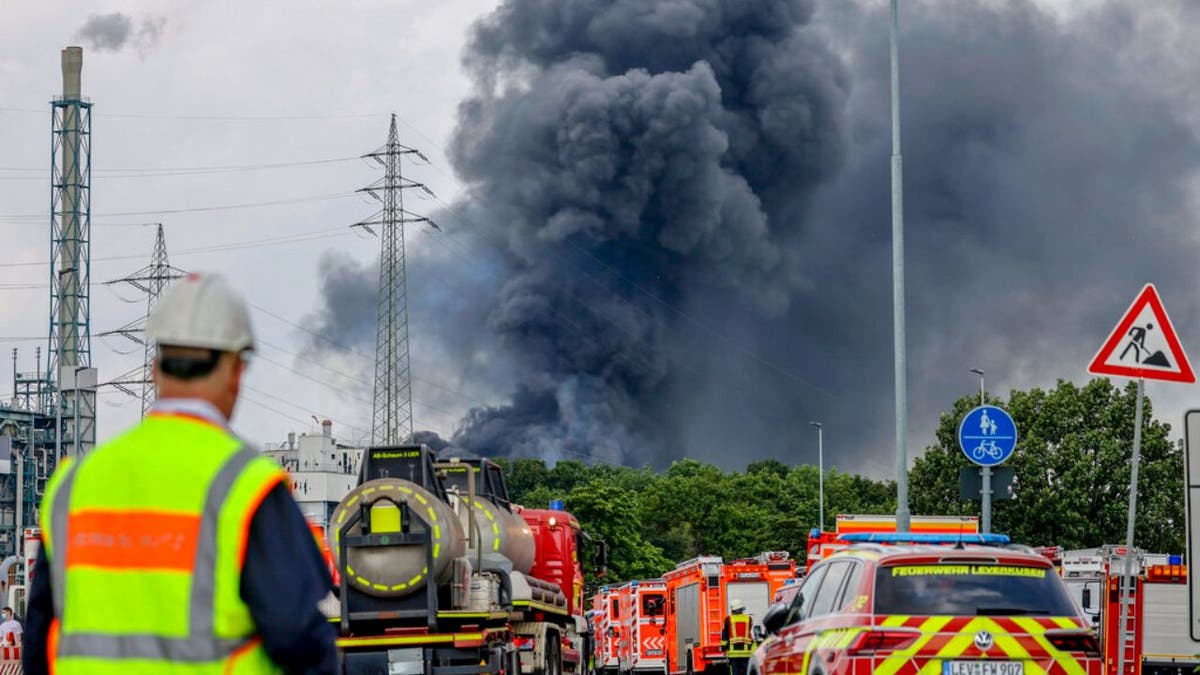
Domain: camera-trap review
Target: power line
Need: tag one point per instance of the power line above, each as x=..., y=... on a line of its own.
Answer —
x=215, y=117
x=154, y=172
x=353, y=352
x=300, y=237
x=35, y=217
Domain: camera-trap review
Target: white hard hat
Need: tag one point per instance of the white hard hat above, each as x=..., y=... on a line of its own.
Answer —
x=736, y=606
x=201, y=311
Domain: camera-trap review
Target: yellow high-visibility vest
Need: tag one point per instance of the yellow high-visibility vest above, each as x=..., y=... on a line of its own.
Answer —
x=145, y=537
x=741, y=641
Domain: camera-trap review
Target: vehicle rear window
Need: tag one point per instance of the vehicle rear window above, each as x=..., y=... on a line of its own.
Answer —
x=971, y=589
x=652, y=604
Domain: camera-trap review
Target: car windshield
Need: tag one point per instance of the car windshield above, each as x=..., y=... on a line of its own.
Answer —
x=970, y=589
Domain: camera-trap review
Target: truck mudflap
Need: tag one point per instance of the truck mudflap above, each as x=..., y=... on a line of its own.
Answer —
x=570, y=655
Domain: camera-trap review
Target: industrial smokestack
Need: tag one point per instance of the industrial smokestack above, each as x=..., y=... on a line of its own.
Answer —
x=72, y=71
x=69, y=263
x=327, y=429
x=70, y=239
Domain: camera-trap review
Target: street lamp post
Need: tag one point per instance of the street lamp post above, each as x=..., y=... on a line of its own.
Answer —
x=902, y=513
x=821, y=478
x=985, y=497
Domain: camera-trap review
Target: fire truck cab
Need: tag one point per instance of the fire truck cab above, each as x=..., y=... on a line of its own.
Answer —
x=643, y=626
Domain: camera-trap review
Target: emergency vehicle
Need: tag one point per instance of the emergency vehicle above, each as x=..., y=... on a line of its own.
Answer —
x=699, y=594
x=642, y=611
x=441, y=573
x=1158, y=640
x=949, y=607
x=605, y=643
x=822, y=544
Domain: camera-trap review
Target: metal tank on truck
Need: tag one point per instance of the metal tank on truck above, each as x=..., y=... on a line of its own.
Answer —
x=439, y=576
x=488, y=514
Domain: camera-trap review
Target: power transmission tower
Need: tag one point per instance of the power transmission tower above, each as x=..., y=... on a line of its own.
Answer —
x=392, y=419
x=151, y=280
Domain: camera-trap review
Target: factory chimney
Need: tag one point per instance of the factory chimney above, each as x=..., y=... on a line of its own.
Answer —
x=68, y=308
x=70, y=359
x=72, y=69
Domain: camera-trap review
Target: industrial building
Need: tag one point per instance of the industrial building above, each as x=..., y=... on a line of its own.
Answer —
x=322, y=470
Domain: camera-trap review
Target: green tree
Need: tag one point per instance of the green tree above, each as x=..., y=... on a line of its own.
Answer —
x=611, y=513
x=1071, y=468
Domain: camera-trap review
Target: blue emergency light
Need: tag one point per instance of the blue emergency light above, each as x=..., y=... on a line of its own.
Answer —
x=557, y=505
x=926, y=538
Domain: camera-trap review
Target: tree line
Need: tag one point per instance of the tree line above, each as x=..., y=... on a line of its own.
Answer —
x=1071, y=486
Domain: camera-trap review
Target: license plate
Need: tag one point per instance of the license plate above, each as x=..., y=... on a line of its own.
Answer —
x=983, y=667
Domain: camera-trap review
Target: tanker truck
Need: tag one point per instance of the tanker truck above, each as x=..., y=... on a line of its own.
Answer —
x=440, y=574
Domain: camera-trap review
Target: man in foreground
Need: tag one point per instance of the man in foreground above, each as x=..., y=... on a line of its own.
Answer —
x=174, y=547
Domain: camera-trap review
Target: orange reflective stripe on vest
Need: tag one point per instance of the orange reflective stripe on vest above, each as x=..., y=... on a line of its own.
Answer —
x=132, y=540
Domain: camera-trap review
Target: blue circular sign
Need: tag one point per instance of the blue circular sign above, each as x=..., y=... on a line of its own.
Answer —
x=987, y=435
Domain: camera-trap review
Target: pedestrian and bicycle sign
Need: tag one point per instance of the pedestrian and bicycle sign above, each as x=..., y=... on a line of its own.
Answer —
x=987, y=435
x=1144, y=344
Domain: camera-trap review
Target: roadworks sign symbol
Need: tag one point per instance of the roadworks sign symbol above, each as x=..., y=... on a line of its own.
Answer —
x=1144, y=344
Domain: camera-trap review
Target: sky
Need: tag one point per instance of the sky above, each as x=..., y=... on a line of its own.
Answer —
x=665, y=226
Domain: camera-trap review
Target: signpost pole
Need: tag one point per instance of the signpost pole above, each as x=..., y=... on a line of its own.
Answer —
x=985, y=492
x=987, y=499
x=1126, y=586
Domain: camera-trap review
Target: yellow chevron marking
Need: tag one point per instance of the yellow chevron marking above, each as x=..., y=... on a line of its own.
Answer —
x=898, y=659
x=895, y=620
x=1029, y=625
x=1064, y=622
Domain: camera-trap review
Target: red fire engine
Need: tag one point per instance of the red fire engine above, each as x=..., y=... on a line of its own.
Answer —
x=642, y=606
x=699, y=594
x=609, y=627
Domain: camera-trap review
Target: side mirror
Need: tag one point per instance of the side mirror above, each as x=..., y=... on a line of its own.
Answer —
x=758, y=633
x=1087, y=598
x=775, y=618
x=601, y=558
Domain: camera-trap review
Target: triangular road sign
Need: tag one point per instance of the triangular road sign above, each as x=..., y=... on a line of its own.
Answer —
x=1144, y=344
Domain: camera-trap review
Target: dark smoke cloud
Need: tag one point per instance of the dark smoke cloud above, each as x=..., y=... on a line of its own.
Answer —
x=633, y=154
x=690, y=201
x=112, y=32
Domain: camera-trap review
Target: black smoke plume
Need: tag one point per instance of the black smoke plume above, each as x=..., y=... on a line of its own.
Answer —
x=688, y=206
